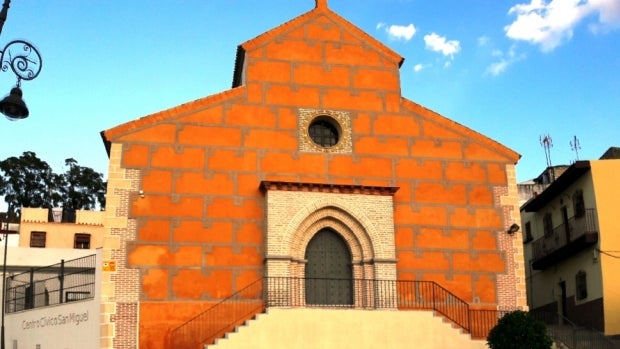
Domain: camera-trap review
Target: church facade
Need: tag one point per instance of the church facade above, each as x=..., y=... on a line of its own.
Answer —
x=312, y=167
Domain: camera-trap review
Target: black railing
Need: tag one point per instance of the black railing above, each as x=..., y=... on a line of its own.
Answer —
x=431, y=296
x=292, y=292
x=220, y=319
x=66, y=281
x=563, y=331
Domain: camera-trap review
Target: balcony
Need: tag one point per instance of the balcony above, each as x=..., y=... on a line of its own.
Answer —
x=567, y=239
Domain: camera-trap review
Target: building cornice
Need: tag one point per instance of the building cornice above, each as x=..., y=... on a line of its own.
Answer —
x=327, y=188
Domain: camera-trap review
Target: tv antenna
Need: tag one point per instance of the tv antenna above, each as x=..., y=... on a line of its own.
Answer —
x=547, y=144
x=575, y=146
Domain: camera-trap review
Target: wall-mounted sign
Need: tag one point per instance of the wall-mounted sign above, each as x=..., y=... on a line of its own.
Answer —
x=109, y=265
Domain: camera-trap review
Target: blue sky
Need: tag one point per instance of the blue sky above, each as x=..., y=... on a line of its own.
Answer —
x=512, y=70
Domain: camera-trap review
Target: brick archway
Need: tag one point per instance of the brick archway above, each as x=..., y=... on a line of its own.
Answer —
x=353, y=231
x=364, y=221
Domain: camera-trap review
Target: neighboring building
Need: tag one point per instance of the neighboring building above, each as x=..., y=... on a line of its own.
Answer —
x=52, y=290
x=53, y=298
x=571, y=245
x=312, y=168
x=532, y=188
x=41, y=228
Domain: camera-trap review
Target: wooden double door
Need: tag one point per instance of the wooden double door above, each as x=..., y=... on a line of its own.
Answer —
x=329, y=274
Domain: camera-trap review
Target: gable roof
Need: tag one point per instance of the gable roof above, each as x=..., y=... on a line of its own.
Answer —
x=452, y=125
x=481, y=142
x=146, y=121
x=321, y=9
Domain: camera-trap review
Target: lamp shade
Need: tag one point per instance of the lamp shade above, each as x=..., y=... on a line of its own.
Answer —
x=13, y=106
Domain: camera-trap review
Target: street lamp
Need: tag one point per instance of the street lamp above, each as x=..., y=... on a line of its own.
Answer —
x=6, y=246
x=25, y=62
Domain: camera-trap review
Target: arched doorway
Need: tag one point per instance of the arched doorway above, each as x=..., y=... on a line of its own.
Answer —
x=328, y=270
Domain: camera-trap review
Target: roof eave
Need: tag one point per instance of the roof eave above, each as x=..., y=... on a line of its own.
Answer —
x=574, y=172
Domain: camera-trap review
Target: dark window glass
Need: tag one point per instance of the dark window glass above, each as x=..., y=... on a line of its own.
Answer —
x=81, y=241
x=37, y=239
x=324, y=133
x=578, y=204
x=28, y=298
x=548, y=224
x=581, y=285
x=528, y=232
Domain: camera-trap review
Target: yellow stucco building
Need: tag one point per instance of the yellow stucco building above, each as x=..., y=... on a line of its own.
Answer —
x=572, y=245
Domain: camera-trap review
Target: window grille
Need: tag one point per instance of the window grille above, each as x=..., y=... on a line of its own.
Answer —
x=81, y=241
x=37, y=239
x=324, y=133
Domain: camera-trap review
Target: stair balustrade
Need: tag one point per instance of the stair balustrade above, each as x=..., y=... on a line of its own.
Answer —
x=206, y=327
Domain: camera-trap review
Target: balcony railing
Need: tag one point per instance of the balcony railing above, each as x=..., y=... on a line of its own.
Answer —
x=566, y=239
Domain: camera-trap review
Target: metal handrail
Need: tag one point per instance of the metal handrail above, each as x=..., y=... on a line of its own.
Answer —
x=219, y=319
x=227, y=314
x=563, y=330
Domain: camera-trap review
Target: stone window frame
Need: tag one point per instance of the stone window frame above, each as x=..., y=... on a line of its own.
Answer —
x=342, y=119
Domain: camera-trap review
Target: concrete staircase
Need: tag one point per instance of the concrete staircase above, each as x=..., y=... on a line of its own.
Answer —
x=301, y=328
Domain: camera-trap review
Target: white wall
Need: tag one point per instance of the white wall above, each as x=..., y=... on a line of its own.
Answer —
x=73, y=325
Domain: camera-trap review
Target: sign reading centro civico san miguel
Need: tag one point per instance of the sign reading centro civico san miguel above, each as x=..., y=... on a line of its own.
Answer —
x=73, y=318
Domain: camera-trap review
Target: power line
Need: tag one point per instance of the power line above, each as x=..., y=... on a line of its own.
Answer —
x=609, y=253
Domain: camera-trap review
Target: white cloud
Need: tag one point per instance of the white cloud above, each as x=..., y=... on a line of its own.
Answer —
x=438, y=43
x=498, y=67
x=609, y=15
x=398, y=32
x=551, y=23
x=483, y=41
x=504, y=61
x=418, y=67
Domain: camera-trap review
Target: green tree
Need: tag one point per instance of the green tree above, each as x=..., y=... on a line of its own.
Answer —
x=28, y=181
x=519, y=330
x=81, y=187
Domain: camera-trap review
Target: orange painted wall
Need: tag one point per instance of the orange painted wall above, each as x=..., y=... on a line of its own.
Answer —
x=200, y=222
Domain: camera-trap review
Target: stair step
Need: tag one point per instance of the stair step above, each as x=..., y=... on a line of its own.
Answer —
x=311, y=328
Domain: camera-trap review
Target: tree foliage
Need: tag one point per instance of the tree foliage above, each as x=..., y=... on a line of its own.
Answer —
x=27, y=181
x=81, y=187
x=519, y=330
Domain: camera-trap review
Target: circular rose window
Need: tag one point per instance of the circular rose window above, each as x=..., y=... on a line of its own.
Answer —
x=324, y=131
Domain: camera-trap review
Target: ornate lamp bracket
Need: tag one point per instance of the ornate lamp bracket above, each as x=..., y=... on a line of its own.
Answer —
x=22, y=58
